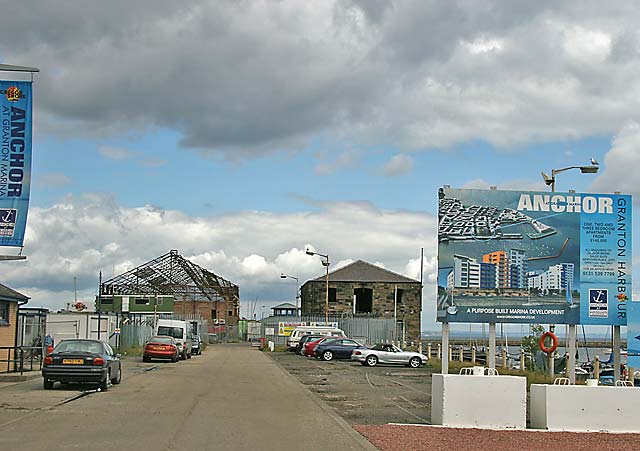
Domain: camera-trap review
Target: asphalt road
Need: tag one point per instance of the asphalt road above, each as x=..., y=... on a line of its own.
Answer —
x=231, y=398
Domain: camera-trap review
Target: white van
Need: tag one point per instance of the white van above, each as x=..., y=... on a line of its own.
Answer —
x=180, y=330
x=300, y=331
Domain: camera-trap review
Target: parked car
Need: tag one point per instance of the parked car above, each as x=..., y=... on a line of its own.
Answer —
x=300, y=331
x=386, y=353
x=310, y=346
x=340, y=348
x=181, y=331
x=196, y=345
x=304, y=340
x=81, y=360
x=161, y=347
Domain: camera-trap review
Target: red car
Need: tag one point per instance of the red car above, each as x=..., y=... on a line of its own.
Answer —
x=161, y=347
x=309, y=348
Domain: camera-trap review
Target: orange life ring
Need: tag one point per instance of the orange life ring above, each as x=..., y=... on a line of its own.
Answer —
x=553, y=346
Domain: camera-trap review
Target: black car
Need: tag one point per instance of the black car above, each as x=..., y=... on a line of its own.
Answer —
x=304, y=340
x=339, y=348
x=87, y=361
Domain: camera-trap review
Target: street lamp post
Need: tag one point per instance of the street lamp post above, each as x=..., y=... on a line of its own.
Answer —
x=284, y=276
x=571, y=361
x=326, y=264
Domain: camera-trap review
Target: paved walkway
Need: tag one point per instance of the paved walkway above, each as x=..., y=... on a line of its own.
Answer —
x=232, y=397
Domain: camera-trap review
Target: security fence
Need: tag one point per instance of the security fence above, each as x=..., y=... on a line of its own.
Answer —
x=365, y=329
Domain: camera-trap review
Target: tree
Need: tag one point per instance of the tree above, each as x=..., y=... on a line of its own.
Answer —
x=530, y=344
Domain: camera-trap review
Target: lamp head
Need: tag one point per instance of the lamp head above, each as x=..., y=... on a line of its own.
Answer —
x=310, y=252
x=282, y=276
x=589, y=169
x=547, y=180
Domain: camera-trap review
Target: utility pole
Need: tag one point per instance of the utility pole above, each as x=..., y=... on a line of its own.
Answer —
x=99, y=304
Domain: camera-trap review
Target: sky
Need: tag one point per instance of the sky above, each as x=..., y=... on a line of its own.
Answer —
x=243, y=132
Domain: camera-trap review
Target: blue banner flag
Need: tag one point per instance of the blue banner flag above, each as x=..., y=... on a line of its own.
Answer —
x=15, y=160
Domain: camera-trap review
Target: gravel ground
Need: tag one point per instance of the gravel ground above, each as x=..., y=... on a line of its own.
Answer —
x=434, y=438
x=364, y=395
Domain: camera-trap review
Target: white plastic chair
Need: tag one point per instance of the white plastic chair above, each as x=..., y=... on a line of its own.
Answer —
x=620, y=383
x=561, y=381
x=491, y=372
x=466, y=371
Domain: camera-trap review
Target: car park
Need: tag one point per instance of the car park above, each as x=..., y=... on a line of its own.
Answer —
x=300, y=331
x=161, y=347
x=82, y=361
x=304, y=340
x=310, y=346
x=388, y=354
x=196, y=345
x=340, y=348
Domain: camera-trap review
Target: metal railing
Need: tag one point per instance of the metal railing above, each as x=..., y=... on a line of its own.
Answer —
x=22, y=355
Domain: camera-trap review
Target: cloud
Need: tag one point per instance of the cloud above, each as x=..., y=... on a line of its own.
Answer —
x=153, y=162
x=344, y=160
x=115, y=153
x=85, y=235
x=53, y=179
x=398, y=165
x=265, y=76
x=620, y=163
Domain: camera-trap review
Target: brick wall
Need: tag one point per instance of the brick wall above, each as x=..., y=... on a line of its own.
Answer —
x=408, y=308
x=204, y=309
x=8, y=334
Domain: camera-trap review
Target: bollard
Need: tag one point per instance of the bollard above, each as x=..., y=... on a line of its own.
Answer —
x=473, y=354
x=439, y=351
x=630, y=375
x=429, y=350
x=504, y=359
x=420, y=348
x=596, y=368
x=450, y=353
x=461, y=356
x=522, y=364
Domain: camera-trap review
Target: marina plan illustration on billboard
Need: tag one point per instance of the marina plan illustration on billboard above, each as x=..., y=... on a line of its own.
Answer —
x=533, y=257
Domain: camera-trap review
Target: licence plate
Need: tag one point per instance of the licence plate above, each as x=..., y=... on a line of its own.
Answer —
x=72, y=361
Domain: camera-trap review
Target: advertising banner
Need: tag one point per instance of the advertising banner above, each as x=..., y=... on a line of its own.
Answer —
x=633, y=335
x=15, y=160
x=533, y=257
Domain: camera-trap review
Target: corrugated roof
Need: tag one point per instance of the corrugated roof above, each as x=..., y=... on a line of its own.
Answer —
x=7, y=294
x=361, y=271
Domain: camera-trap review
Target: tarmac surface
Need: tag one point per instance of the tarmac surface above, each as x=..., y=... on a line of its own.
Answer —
x=233, y=397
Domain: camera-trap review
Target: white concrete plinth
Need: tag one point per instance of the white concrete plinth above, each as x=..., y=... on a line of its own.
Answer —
x=497, y=402
x=583, y=408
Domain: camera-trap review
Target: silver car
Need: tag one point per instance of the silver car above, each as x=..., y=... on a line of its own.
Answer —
x=386, y=353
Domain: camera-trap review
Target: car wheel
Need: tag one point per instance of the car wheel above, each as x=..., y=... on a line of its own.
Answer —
x=48, y=384
x=327, y=355
x=116, y=380
x=415, y=362
x=188, y=356
x=372, y=360
x=174, y=359
x=104, y=384
x=145, y=358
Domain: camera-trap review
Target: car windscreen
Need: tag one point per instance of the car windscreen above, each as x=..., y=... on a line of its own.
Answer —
x=79, y=346
x=175, y=332
x=162, y=340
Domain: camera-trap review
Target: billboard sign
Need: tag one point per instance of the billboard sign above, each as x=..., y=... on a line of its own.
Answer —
x=15, y=160
x=533, y=257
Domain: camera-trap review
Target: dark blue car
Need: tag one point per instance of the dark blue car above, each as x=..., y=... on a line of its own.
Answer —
x=339, y=348
x=82, y=361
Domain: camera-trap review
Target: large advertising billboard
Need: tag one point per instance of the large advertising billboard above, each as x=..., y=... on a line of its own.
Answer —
x=15, y=160
x=533, y=257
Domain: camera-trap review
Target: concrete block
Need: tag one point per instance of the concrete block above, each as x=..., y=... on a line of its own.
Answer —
x=497, y=402
x=583, y=408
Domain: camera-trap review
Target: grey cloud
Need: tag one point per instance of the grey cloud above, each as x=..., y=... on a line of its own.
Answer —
x=243, y=79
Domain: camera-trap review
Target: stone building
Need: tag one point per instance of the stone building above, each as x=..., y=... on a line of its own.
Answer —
x=365, y=289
